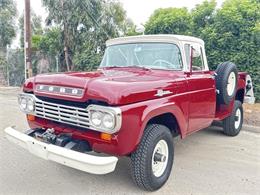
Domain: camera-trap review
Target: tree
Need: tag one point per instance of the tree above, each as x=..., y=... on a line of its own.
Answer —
x=51, y=47
x=50, y=42
x=83, y=35
x=36, y=28
x=169, y=21
x=15, y=62
x=7, y=31
x=202, y=16
x=7, y=23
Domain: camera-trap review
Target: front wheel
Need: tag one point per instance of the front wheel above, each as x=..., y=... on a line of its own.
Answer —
x=233, y=124
x=152, y=161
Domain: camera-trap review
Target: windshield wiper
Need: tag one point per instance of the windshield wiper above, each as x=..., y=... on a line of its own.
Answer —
x=136, y=66
x=131, y=66
x=112, y=67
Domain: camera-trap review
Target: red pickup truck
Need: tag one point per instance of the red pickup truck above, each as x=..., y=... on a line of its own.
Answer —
x=147, y=90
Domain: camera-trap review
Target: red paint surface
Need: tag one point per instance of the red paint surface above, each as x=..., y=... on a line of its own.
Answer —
x=193, y=101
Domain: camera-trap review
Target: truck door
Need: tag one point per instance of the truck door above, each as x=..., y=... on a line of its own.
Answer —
x=201, y=89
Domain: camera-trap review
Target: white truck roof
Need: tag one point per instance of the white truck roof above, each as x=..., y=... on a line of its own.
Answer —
x=163, y=38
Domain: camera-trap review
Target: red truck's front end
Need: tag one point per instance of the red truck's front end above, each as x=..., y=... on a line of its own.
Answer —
x=108, y=94
x=103, y=112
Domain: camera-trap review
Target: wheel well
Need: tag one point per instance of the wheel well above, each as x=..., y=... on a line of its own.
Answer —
x=168, y=120
x=240, y=95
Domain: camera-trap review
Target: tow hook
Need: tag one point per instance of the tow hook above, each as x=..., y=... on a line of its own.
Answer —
x=62, y=140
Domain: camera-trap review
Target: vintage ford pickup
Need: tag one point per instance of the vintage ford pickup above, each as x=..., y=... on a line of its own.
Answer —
x=147, y=90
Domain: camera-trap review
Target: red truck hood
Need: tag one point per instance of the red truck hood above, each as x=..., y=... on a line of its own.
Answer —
x=115, y=86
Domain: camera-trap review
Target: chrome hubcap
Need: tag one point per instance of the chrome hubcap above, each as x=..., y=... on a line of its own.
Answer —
x=237, y=118
x=231, y=83
x=160, y=158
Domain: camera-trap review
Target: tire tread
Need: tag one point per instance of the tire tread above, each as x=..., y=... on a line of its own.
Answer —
x=139, y=157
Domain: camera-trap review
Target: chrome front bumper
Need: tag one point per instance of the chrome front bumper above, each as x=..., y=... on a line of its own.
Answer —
x=81, y=161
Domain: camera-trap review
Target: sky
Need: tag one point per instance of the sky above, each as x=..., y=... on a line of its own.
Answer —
x=140, y=10
x=137, y=10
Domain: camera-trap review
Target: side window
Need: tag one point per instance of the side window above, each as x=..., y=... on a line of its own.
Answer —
x=197, y=59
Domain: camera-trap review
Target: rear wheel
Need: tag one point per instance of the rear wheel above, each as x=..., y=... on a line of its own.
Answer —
x=152, y=161
x=233, y=124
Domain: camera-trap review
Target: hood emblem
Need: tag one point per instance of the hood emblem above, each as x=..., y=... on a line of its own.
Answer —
x=161, y=93
x=60, y=90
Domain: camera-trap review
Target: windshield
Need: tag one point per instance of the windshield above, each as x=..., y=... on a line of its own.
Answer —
x=147, y=55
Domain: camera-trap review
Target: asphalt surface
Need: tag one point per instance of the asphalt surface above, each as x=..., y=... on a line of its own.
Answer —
x=206, y=162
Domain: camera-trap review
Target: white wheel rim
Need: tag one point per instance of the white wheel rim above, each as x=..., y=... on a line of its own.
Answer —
x=231, y=83
x=237, y=118
x=158, y=167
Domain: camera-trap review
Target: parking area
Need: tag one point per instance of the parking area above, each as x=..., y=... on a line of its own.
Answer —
x=207, y=162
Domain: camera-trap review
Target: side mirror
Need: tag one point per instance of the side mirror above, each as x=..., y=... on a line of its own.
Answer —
x=195, y=51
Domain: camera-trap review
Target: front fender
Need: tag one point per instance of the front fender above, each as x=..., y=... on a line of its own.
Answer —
x=156, y=110
x=137, y=115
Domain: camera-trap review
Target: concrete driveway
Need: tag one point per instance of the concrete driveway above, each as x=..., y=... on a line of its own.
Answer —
x=206, y=162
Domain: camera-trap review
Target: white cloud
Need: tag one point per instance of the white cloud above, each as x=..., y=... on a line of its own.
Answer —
x=140, y=10
x=36, y=6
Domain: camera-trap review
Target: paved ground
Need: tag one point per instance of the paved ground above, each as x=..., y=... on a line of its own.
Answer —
x=206, y=162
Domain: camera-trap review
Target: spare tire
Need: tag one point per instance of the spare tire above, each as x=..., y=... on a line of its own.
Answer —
x=226, y=82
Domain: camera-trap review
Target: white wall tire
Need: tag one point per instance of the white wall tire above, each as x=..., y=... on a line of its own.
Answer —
x=238, y=118
x=233, y=124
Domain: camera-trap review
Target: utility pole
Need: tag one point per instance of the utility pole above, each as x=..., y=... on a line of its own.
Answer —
x=27, y=40
x=57, y=63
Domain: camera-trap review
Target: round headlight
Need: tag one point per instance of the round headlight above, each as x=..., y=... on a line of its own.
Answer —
x=30, y=105
x=23, y=104
x=96, y=118
x=109, y=121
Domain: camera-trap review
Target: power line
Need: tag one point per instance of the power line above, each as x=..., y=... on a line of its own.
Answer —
x=93, y=19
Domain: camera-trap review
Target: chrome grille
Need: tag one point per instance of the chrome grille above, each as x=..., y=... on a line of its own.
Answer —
x=62, y=113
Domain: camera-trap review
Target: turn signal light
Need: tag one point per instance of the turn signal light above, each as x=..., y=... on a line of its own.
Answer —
x=106, y=136
x=30, y=117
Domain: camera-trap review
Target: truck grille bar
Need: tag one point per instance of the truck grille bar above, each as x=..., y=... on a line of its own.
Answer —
x=62, y=113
